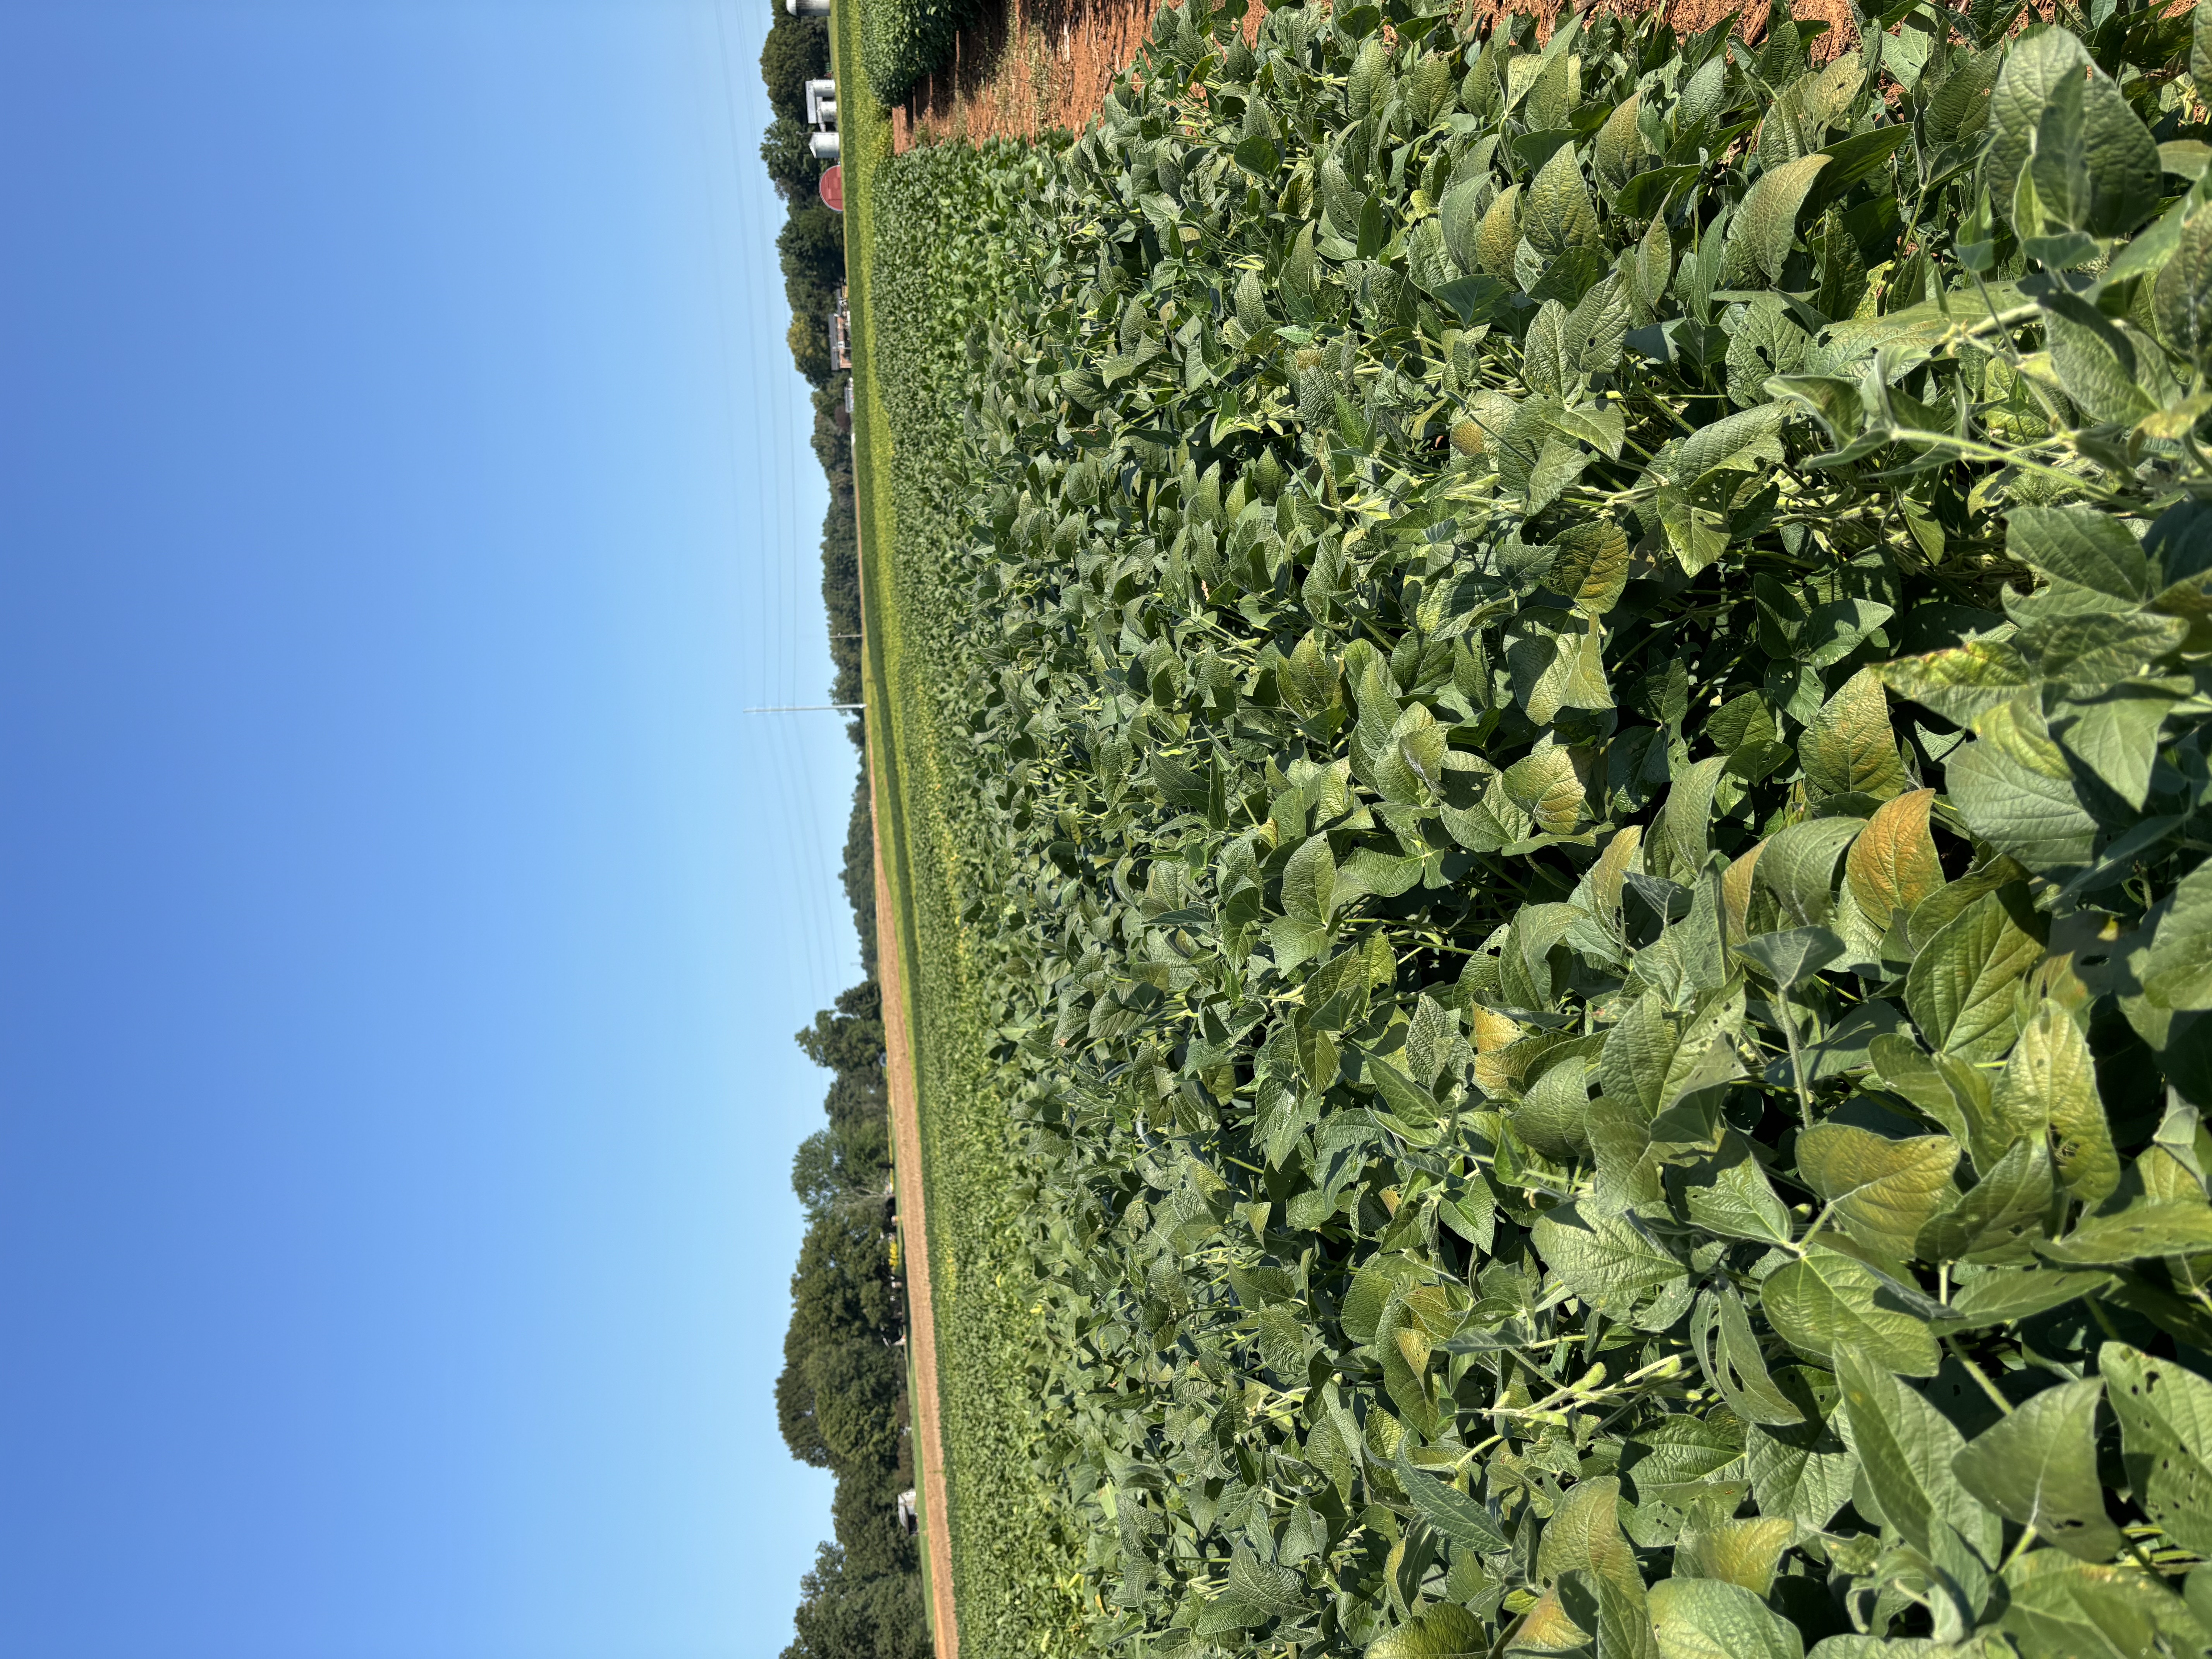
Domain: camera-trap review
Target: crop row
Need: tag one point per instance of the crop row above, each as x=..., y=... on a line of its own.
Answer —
x=1568, y=677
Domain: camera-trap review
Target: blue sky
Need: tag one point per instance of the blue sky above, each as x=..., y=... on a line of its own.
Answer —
x=403, y=487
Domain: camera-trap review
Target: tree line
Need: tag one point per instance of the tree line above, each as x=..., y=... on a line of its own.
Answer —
x=841, y=1399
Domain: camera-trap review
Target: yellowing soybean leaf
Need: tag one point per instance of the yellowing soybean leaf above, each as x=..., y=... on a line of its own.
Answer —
x=1738, y=1368
x=1546, y=1627
x=1585, y=1536
x=1962, y=681
x=1892, y=864
x=1591, y=567
x=1611, y=871
x=1373, y=1288
x=1741, y=1552
x=1404, y=1348
x=1546, y=786
x=1884, y=1191
x=1736, y=893
x=1443, y=1631
x=2063, y=1608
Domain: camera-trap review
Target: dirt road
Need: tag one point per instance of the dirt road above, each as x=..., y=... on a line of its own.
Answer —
x=922, y=1333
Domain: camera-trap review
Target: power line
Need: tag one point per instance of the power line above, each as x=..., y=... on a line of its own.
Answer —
x=804, y=707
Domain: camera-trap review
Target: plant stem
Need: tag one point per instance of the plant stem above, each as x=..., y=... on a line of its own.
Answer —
x=1796, y=1054
x=2003, y=1404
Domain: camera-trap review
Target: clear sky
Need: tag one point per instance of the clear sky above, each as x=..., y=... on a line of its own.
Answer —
x=404, y=485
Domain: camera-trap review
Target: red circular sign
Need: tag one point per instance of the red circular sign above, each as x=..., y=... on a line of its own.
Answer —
x=833, y=190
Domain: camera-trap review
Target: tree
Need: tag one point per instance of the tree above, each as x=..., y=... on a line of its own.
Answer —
x=812, y=241
x=797, y=51
x=845, y=1613
x=791, y=165
x=848, y=1040
x=794, y=1412
x=860, y=871
x=808, y=336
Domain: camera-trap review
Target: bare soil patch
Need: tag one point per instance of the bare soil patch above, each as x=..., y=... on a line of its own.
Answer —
x=1025, y=68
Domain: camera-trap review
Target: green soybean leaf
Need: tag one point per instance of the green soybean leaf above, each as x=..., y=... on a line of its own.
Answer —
x=2116, y=732
x=2015, y=789
x=1608, y=1262
x=1443, y=1631
x=1799, y=867
x=1766, y=223
x=1803, y=1472
x=1449, y=1511
x=1309, y=881
x=1794, y=956
x=1712, y=1618
x=1907, y=1449
x=2005, y=1294
x=2178, y=971
x=1826, y=1303
x=1558, y=214
x=1847, y=747
x=2173, y=1226
x=1729, y=1353
x=2012, y=1198
x=1959, y=988
x=2165, y=1430
x=2183, y=295
x=2110, y=159
x=2080, y=546
x=2039, y=1467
